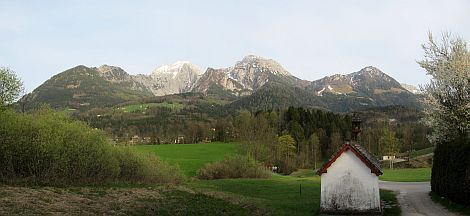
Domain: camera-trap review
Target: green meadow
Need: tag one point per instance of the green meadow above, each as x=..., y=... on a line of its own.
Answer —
x=280, y=195
x=190, y=157
x=143, y=107
x=407, y=175
x=296, y=194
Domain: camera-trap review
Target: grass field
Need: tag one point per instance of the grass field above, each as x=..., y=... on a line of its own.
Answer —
x=297, y=194
x=280, y=195
x=143, y=107
x=407, y=175
x=113, y=201
x=191, y=157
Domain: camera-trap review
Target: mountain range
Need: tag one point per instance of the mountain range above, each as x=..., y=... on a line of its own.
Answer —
x=252, y=83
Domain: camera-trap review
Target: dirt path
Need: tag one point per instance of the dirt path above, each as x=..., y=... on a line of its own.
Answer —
x=414, y=198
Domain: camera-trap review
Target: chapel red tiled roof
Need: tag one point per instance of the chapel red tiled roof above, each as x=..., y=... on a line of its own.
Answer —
x=368, y=159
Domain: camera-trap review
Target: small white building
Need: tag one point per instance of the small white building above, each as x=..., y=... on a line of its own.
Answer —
x=349, y=182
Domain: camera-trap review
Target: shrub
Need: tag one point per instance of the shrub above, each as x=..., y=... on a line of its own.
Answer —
x=145, y=168
x=286, y=167
x=450, y=175
x=48, y=148
x=237, y=166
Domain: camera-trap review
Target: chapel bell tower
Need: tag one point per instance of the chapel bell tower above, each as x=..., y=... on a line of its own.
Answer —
x=356, y=127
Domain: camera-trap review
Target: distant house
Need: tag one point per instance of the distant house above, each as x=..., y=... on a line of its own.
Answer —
x=179, y=140
x=349, y=182
x=386, y=157
x=147, y=140
x=135, y=140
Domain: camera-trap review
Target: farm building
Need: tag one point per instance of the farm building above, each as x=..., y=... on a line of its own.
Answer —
x=350, y=181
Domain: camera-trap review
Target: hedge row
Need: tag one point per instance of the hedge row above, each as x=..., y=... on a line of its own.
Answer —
x=451, y=170
x=237, y=166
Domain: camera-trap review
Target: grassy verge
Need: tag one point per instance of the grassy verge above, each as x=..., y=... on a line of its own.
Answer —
x=113, y=201
x=280, y=195
x=190, y=157
x=407, y=175
x=391, y=207
x=451, y=206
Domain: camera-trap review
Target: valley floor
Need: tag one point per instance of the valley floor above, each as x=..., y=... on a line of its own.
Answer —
x=297, y=194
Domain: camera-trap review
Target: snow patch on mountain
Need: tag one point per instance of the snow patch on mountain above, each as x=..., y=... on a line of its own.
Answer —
x=175, y=68
x=320, y=93
x=411, y=88
x=246, y=76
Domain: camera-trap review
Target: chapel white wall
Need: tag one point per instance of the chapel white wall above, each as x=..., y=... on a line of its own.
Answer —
x=349, y=185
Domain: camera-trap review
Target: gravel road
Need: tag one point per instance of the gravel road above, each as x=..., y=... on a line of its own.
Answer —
x=414, y=198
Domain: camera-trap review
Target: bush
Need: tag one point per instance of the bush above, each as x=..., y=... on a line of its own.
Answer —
x=145, y=168
x=48, y=148
x=237, y=166
x=286, y=167
x=451, y=170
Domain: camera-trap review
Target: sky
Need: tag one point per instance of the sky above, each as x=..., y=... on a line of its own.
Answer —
x=311, y=39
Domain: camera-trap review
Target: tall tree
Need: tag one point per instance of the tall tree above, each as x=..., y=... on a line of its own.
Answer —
x=336, y=142
x=448, y=93
x=448, y=99
x=286, y=146
x=390, y=144
x=314, y=148
x=10, y=86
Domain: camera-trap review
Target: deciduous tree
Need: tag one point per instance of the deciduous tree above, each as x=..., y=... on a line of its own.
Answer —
x=448, y=93
x=10, y=86
x=314, y=147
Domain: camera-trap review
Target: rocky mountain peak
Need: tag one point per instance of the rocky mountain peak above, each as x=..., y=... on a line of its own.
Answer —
x=251, y=58
x=246, y=76
x=176, y=68
x=262, y=65
x=370, y=71
x=175, y=78
x=113, y=73
x=108, y=68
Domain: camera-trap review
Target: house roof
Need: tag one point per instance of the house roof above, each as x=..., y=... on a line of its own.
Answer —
x=369, y=160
